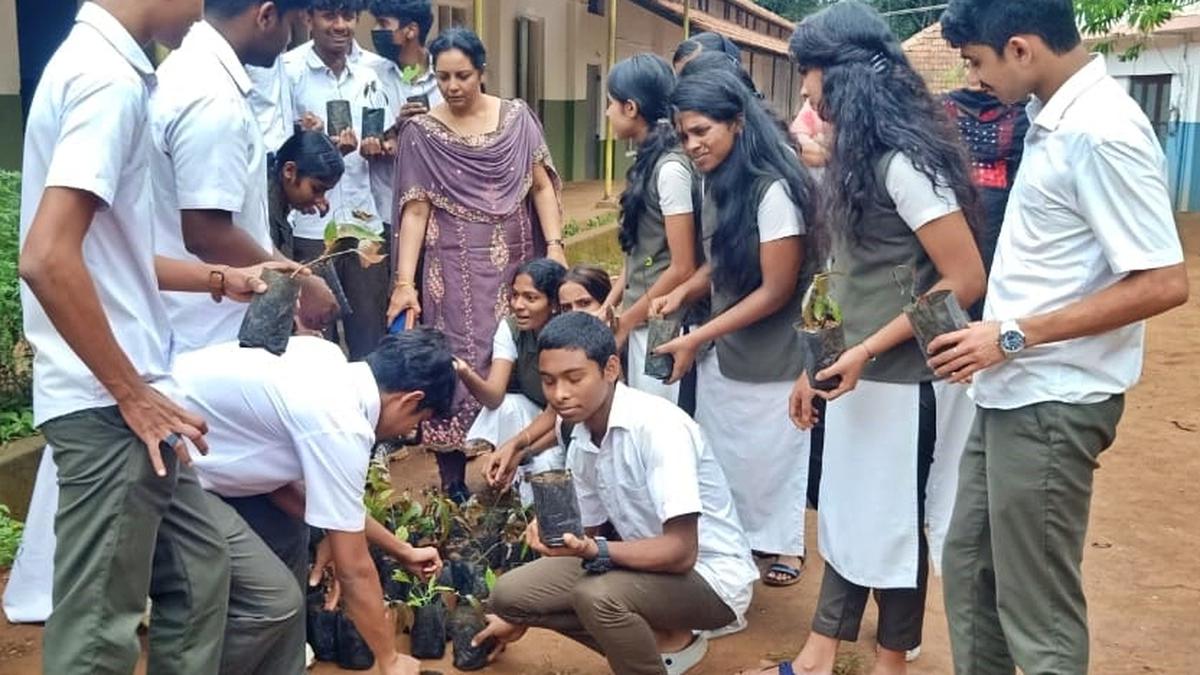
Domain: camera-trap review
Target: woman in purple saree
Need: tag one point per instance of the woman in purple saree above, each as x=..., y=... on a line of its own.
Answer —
x=477, y=196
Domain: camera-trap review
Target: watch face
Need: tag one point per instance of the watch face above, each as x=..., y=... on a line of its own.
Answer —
x=1012, y=341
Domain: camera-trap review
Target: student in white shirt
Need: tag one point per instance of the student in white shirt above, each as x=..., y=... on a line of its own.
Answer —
x=643, y=470
x=405, y=68
x=102, y=394
x=299, y=428
x=900, y=201
x=756, y=210
x=1087, y=253
x=321, y=71
x=511, y=392
x=210, y=191
x=658, y=224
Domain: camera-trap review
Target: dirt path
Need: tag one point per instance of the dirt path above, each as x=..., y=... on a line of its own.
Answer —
x=1142, y=571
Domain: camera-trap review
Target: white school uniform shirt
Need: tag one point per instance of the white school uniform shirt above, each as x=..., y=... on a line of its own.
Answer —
x=87, y=131
x=397, y=92
x=305, y=416
x=313, y=85
x=271, y=100
x=1089, y=206
x=654, y=465
x=209, y=155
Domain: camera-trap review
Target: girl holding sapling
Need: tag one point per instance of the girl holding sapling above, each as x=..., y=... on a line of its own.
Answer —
x=899, y=198
x=511, y=392
x=757, y=204
x=658, y=230
x=305, y=167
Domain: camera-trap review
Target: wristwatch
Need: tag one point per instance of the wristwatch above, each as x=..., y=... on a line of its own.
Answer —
x=601, y=563
x=1012, y=338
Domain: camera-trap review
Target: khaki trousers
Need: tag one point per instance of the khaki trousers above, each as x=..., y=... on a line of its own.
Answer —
x=614, y=613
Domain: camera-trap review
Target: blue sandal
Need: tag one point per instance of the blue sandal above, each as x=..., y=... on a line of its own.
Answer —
x=791, y=574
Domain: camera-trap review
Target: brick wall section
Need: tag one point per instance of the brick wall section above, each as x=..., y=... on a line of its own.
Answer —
x=940, y=64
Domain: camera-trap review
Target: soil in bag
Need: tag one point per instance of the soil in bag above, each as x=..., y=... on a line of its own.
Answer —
x=556, y=506
x=328, y=273
x=822, y=347
x=428, y=632
x=465, y=624
x=268, y=320
x=352, y=650
x=337, y=117
x=660, y=331
x=467, y=578
x=935, y=314
x=321, y=626
x=372, y=122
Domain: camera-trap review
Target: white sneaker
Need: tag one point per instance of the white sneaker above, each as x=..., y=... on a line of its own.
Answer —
x=912, y=654
x=310, y=657
x=737, y=626
x=680, y=662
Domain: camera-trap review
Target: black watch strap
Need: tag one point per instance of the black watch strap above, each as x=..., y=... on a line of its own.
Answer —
x=602, y=562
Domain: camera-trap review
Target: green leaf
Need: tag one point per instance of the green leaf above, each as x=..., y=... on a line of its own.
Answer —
x=402, y=533
x=331, y=233
x=489, y=579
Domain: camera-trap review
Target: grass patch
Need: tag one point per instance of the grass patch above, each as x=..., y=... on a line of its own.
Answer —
x=10, y=536
x=576, y=227
x=15, y=355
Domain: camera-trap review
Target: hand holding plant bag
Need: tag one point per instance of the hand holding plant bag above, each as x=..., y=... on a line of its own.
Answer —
x=821, y=334
x=268, y=320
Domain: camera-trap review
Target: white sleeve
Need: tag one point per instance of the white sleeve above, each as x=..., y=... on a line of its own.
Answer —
x=1122, y=194
x=335, y=464
x=98, y=122
x=671, y=457
x=210, y=148
x=675, y=189
x=778, y=217
x=504, y=347
x=917, y=200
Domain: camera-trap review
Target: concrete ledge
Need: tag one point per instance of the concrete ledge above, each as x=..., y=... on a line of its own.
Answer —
x=18, y=467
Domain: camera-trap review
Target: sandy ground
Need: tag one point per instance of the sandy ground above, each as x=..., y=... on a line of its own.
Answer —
x=1141, y=568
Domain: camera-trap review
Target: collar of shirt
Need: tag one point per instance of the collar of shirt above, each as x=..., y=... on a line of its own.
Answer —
x=363, y=381
x=620, y=415
x=204, y=36
x=118, y=36
x=1048, y=115
x=313, y=60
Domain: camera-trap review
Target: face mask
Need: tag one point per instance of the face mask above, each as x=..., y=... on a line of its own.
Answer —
x=382, y=39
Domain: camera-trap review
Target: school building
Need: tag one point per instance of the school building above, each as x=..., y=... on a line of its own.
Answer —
x=1163, y=77
x=552, y=53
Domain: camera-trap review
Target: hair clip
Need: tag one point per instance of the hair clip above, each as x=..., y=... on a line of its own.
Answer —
x=880, y=63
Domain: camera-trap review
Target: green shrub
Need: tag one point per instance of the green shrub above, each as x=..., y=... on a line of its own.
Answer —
x=10, y=537
x=15, y=384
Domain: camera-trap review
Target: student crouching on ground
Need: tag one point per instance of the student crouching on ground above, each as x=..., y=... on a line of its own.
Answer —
x=642, y=470
x=296, y=431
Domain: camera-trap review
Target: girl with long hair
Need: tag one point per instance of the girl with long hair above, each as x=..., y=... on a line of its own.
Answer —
x=757, y=207
x=899, y=200
x=658, y=231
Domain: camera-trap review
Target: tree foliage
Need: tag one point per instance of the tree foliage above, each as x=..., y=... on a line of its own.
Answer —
x=905, y=16
x=1101, y=17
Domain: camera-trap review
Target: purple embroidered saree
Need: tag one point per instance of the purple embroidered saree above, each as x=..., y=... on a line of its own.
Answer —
x=482, y=226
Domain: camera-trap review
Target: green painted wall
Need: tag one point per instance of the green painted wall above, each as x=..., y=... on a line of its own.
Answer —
x=10, y=132
x=564, y=123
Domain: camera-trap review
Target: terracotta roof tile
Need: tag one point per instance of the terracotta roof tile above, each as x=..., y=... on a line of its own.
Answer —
x=673, y=10
x=940, y=64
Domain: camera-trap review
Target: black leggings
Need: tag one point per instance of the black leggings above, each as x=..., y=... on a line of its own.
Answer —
x=901, y=610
